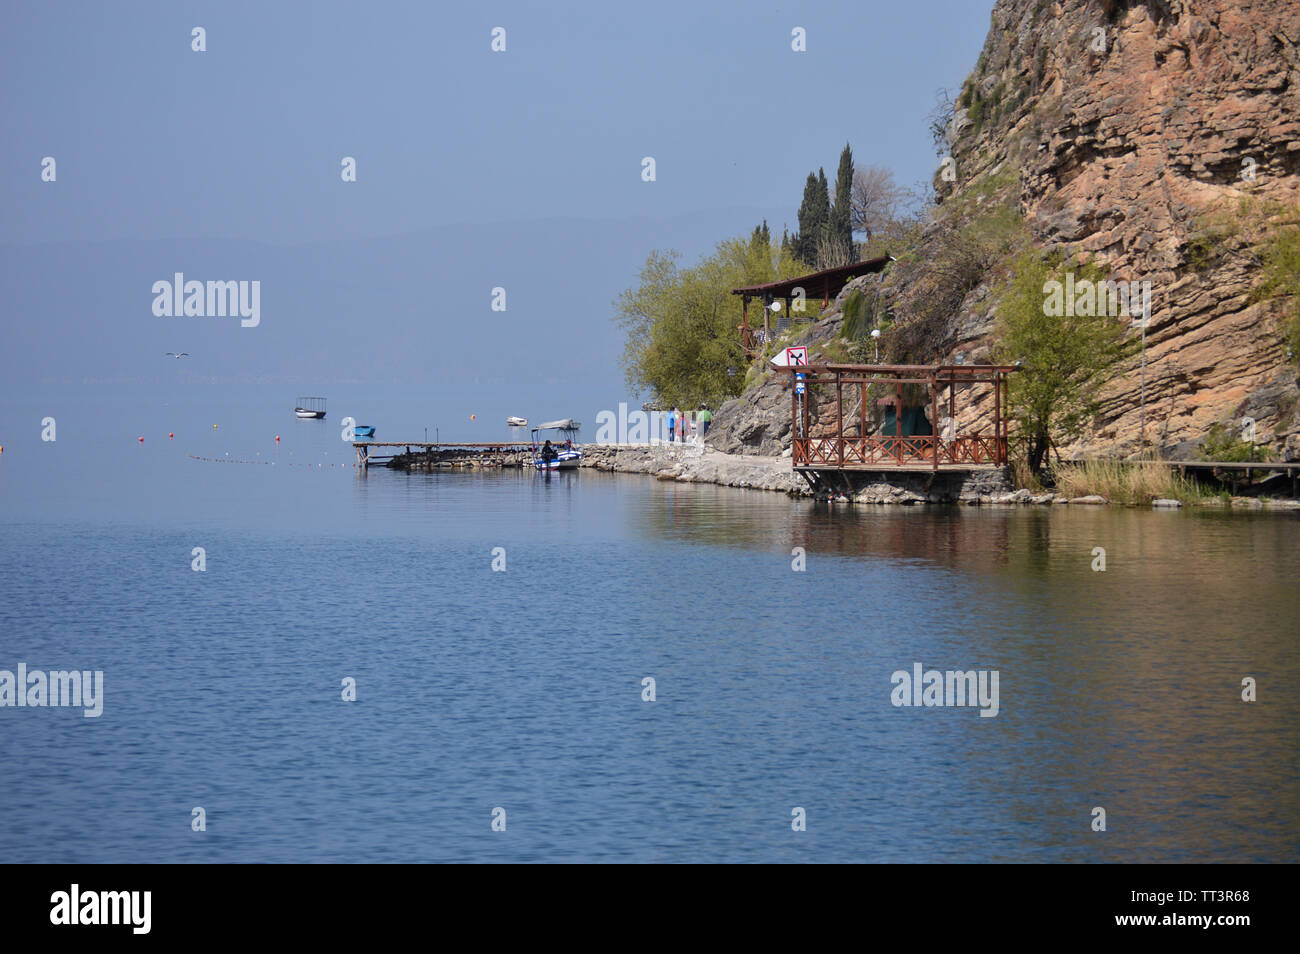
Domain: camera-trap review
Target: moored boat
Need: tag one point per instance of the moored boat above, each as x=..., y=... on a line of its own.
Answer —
x=310, y=408
x=564, y=454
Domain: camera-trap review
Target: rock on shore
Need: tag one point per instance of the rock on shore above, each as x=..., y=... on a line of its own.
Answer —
x=690, y=463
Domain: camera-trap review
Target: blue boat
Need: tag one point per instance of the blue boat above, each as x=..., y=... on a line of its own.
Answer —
x=363, y=432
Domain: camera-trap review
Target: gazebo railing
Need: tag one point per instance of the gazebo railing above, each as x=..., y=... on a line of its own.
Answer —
x=917, y=451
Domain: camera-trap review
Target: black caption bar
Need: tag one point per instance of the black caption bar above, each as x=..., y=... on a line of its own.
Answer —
x=138, y=904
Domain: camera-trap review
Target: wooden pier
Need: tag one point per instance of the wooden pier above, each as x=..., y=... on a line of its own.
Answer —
x=1231, y=469
x=371, y=452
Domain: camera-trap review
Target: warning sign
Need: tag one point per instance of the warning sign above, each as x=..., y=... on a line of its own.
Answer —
x=791, y=357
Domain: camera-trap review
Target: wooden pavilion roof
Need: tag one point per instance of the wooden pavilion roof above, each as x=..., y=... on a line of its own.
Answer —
x=827, y=283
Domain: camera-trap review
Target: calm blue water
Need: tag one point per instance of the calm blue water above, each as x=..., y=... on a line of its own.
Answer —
x=522, y=689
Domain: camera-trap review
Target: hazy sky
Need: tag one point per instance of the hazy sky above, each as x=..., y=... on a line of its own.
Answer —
x=154, y=140
x=476, y=170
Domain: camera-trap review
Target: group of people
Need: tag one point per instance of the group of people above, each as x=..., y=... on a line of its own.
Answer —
x=684, y=426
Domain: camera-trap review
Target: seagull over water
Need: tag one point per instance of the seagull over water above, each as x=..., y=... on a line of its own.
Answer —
x=178, y=354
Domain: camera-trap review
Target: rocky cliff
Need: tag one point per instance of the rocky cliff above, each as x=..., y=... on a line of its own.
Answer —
x=1127, y=134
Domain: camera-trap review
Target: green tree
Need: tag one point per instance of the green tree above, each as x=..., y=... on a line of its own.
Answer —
x=804, y=242
x=814, y=218
x=1065, y=360
x=823, y=204
x=841, y=215
x=681, y=324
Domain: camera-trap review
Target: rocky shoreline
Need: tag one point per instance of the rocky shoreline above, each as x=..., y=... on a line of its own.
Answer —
x=692, y=463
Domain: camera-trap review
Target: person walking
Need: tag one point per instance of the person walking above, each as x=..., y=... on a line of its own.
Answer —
x=705, y=417
x=683, y=424
x=672, y=425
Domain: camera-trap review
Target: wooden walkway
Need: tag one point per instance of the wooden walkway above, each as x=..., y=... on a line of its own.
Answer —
x=1286, y=466
x=1290, y=468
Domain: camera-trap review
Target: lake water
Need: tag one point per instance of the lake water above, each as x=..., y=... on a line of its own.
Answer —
x=522, y=689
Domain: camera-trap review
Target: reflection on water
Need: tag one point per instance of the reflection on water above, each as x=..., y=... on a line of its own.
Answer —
x=522, y=689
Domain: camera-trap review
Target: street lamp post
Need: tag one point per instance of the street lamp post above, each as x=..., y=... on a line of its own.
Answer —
x=1142, y=392
x=1142, y=385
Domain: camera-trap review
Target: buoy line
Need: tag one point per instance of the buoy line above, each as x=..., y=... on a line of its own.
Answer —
x=240, y=460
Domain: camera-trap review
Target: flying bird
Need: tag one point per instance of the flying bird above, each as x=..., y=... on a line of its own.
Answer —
x=178, y=354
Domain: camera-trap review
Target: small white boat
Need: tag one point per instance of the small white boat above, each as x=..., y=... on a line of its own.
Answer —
x=310, y=408
x=564, y=454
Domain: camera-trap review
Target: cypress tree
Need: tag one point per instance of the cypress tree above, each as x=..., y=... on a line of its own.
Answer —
x=821, y=227
x=823, y=203
x=805, y=240
x=841, y=226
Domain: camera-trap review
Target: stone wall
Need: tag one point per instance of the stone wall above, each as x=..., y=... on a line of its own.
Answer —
x=693, y=463
x=458, y=459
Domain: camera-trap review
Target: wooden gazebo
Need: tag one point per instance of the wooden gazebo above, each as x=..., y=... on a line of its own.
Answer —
x=947, y=448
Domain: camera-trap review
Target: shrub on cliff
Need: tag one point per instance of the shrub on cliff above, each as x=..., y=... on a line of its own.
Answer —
x=1281, y=284
x=1265, y=235
x=1064, y=359
x=1223, y=442
x=864, y=310
x=969, y=238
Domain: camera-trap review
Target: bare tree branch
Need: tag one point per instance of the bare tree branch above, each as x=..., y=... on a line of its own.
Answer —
x=875, y=201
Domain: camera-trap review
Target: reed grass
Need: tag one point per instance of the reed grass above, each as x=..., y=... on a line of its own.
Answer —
x=1133, y=483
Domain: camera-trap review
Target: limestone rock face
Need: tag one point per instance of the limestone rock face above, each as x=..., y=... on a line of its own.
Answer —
x=757, y=422
x=1128, y=126
x=1141, y=125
